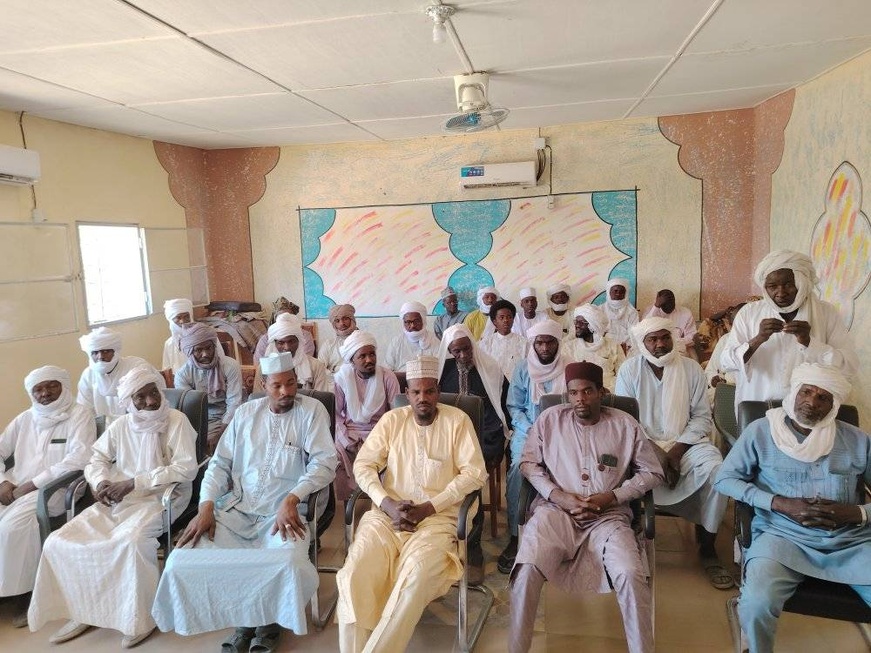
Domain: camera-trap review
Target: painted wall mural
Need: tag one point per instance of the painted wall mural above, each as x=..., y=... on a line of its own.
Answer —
x=841, y=242
x=377, y=257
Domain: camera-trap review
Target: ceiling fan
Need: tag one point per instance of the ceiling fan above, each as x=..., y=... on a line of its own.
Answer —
x=477, y=114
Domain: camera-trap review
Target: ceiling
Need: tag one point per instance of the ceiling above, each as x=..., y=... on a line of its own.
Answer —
x=238, y=73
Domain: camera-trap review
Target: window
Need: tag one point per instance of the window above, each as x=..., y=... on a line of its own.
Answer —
x=113, y=263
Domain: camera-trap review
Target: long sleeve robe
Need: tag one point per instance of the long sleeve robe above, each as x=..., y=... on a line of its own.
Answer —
x=399, y=351
x=222, y=405
x=508, y=350
x=107, y=405
x=609, y=356
x=683, y=319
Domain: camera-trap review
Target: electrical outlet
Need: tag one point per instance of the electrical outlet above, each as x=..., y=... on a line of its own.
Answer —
x=539, y=143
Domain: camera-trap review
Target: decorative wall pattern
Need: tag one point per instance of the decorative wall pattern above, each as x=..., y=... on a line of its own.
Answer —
x=377, y=257
x=841, y=242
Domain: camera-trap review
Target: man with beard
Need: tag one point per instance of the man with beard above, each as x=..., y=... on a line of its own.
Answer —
x=415, y=340
x=342, y=319
x=682, y=317
x=674, y=410
x=590, y=342
x=478, y=321
x=541, y=373
x=558, y=307
x=800, y=468
x=452, y=315
x=286, y=336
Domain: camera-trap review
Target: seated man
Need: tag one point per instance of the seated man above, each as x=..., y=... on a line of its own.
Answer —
x=52, y=437
x=790, y=326
x=452, y=315
x=209, y=371
x=244, y=557
x=341, y=317
x=364, y=392
x=592, y=343
x=558, y=307
x=415, y=339
x=504, y=345
x=98, y=385
x=178, y=312
x=674, y=410
x=666, y=306
x=466, y=370
x=529, y=314
x=283, y=306
x=100, y=569
x=541, y=373
x=622, y=315
x=586, y=463
x=800, y=469
x=286, y=336
x=405, y=552
x=478, y=321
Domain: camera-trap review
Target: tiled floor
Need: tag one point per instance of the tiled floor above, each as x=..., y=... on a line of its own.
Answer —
x=690, y=615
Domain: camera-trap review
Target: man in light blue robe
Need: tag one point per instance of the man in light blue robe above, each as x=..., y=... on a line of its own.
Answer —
x=541, y=373
x=801, y=470
x=244, y=557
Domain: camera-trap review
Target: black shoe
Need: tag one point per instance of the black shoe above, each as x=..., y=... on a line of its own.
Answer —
x=506, y=559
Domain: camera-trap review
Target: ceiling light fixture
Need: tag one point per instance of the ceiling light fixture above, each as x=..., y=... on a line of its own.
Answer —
x=439, y=14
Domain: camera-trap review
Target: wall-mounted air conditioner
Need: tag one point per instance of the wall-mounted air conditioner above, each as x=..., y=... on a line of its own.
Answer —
x=496, y=175
x=18, y=167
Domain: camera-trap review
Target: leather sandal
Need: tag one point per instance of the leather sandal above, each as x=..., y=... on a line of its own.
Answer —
x=239, y=641
x=265, y=639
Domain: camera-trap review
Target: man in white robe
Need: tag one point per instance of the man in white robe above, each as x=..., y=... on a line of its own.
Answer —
x=209, y=371
x=558, y=297
x=364, y=392
x=100, y=569
x=98, y=385
x=404, y=553
x=415, y=340
x=592, y=343
x=541, y=373
x=790, y=326
x=52, y=437
x=344, y=323
x=244, y=558
x=676, y=416
x=529, y=314
x=666, y=306
x=622, y=315
x=286, y=336
x=283, y=306
x=178, y=312
x=504, y=345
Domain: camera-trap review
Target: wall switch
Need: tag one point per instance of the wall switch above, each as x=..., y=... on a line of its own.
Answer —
x=539, y=143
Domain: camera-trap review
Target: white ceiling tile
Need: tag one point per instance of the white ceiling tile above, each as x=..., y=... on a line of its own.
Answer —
x=399, y=128
x=564, y=114
x=519, y=35
x=218, y=15
x=209, y=140
x=122, y=119
x=745, y=24
x=572, y=84
x=22, y=93
x=789, y=65
x=140, y=71
x=29, y=25
x=381, y=101
x=740, y=98
x=335, y=133
x=361, y=50
x=244, y=112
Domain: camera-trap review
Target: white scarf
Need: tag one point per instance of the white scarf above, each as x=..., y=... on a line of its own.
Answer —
x=148, y=424
x=57, y=411
x=675, y=402
x=540, y=373
x=361, y=411
x=821, y=439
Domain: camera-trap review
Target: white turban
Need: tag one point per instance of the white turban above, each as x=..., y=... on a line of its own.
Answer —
x=286, y=325
x=423, y=339
x=617, y=309
x=355, y=342
x=675, y=385
x=802, y=268
x=594, y=316
x=99, y=339
x=560, y=287
x=544, y=328
x=58, y=410
x=174, y=307
x=617, y=281
x=479, y=298
x=148, y=424
x=527, y=292
x=276, y=363
x=540, y=373
x=821, y=439
x=413, y=307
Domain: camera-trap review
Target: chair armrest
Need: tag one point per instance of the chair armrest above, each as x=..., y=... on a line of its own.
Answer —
x=527, y=496
x=72, y=490
x=463, y=515
x=351, y=504
x=311, y=505
x=45, y=494
x=649, y=516
x=743, y=519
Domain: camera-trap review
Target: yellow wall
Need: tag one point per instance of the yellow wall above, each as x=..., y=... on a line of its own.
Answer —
x=830, y=124
x=588, y=157
x=87, y=175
